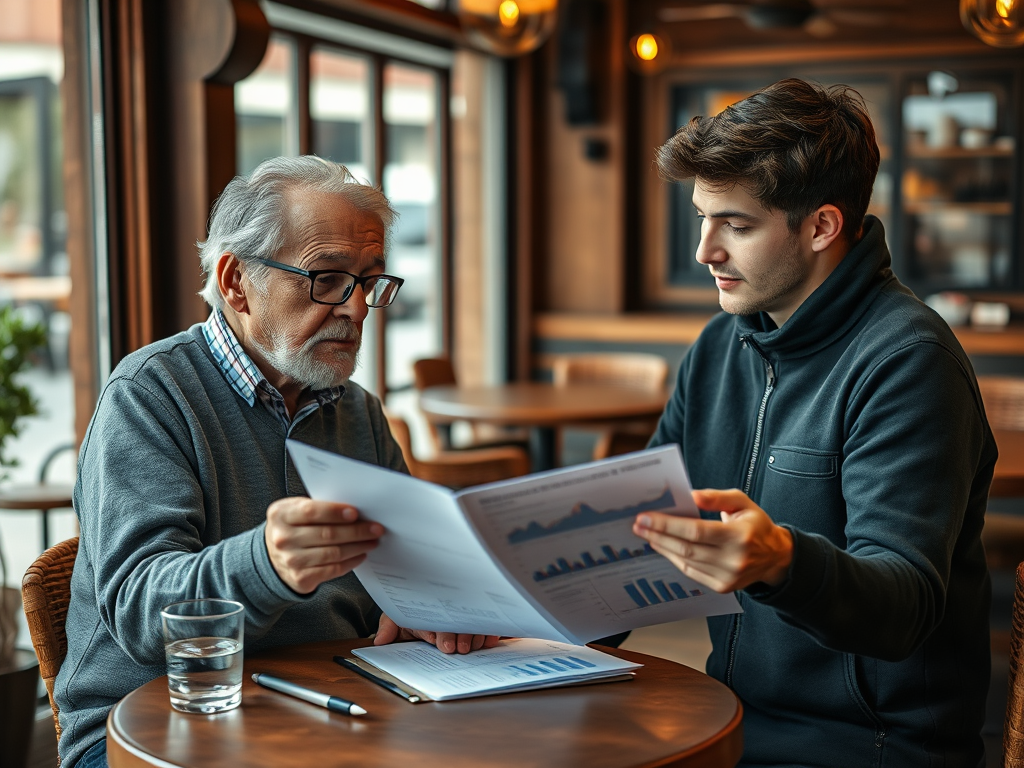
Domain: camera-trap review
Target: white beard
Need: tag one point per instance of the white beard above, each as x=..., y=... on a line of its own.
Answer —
x=302, y=365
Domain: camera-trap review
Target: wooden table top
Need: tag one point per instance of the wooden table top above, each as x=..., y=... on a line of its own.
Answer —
x=54, y=289
x=531, y=403
x=39, y=497
x=669, y=715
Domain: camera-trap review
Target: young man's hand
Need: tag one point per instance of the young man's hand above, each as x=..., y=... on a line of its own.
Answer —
x=746, y=547
x=310, y=542
x=447, y=642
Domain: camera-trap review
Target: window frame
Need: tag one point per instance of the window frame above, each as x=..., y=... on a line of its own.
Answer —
x=304, y=45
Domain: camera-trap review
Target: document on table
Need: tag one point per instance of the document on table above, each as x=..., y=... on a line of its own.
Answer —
x=550, y=555
x=513, y=665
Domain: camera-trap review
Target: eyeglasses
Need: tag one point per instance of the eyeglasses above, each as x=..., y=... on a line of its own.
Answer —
x=333, y=286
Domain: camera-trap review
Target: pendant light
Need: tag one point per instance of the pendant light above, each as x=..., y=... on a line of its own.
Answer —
x=507, y=27
x=999, y=23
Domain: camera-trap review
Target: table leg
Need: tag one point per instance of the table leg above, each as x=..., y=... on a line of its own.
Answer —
x=46, y=529
x=543, y=449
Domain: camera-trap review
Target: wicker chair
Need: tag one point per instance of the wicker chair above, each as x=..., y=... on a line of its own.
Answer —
x=1013, y=725
x=439, y=372
x=638, y=370
x=46, y=592
x=461, y=469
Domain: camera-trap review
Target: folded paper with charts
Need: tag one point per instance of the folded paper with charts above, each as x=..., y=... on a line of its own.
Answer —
x=514, y=665
x=550, y=555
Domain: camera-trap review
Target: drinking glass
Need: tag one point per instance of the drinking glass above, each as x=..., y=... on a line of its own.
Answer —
x=203, y=642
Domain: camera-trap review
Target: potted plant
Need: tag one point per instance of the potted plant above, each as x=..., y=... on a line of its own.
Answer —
x=18, y=340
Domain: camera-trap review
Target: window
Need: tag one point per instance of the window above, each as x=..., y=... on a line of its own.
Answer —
x=372, y=102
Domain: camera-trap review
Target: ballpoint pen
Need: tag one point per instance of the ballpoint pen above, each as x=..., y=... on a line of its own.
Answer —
x=349, y=664
x=333, y=703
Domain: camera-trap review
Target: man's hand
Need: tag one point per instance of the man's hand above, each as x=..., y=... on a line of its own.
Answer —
x=447, y=642
x=745, y=548
x=311, y=542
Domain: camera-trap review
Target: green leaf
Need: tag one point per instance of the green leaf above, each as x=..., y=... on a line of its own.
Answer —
x=18, y=340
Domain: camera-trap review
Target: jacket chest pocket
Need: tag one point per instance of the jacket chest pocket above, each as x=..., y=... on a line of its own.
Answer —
x=803, y=487
x=803, y=462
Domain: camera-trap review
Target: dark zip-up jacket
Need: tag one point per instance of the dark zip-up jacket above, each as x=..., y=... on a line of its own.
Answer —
x=858, y=426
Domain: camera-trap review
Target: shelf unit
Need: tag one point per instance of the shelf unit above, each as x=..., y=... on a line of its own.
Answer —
x=948, y=187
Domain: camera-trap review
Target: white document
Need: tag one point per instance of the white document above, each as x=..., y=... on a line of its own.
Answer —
x=550, y=555
x=514, y=665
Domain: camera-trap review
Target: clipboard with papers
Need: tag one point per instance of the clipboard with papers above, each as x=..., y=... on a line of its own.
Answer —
x=418, y=671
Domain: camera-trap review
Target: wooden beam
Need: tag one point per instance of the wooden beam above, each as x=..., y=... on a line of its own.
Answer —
x=826, y=52
x=78, y=205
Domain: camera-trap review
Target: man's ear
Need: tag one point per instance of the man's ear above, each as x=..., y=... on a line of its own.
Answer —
x=828, y=227
x=229, y=281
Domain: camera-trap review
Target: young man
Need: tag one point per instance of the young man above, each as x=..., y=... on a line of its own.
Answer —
x=837, y=424
x=185, y=488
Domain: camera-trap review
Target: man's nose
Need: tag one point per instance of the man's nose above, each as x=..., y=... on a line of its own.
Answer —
x=354, y=308
x=708, y=250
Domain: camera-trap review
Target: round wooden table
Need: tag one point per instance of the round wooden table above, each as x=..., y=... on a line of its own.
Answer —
x=669, y=715
x=38, y=498
x=542, y=407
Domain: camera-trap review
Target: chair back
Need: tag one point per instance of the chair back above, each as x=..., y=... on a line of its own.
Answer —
x=460, y=469
x=400, y=431
x=1004, y=401
x=637, y=369
x=433, y=372
x=1013, y=725
x=45, y=593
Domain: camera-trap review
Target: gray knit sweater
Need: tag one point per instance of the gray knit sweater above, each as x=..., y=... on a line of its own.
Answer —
x=174, y=479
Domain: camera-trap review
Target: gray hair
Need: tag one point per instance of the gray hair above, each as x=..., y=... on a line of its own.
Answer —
x=248, y=219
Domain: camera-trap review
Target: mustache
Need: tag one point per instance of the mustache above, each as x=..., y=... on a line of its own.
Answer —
x=344, y=330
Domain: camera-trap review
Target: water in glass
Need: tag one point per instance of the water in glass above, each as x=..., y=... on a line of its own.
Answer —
x=204, y=674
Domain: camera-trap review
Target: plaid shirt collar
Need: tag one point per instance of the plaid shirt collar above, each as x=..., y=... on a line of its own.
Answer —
x=248, y=380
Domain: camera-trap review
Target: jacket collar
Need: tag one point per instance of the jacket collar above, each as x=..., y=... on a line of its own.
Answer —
x=834, y=306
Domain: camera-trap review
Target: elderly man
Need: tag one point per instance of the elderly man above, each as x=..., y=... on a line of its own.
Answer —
x=185, y=489
x=836, y=423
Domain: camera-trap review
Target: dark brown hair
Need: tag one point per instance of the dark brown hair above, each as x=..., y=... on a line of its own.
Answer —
x=794, y=146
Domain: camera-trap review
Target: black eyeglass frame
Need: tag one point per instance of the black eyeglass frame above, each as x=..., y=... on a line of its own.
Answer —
x=313, y=274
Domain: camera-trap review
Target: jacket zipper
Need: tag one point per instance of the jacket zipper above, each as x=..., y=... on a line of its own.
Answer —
x=758, y=430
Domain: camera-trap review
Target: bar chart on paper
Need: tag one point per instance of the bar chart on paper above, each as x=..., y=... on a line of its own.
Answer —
x=645, y=593
x=570, y=537
x=563, y=566
x=550, y=666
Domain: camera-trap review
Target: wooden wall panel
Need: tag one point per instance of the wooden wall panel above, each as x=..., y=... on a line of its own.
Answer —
x=468, y=293
x=585, y=242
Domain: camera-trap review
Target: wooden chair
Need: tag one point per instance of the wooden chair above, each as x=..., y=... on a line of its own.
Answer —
x=46, y=592
x=627, y=369
x=1003, y=535
x=439, y=372
x=1004, y=401
x=460, y=469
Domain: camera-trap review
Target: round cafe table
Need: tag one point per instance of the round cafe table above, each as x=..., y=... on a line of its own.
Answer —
x=669, y=715
x=541, y=406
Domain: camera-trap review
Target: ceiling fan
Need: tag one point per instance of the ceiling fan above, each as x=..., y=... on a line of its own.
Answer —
x=820, y=20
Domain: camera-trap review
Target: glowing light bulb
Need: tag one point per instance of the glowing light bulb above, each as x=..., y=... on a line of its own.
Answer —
x=999, y=23
x=507, y=27
x=651, y=53
x=508, y=13
x=647, y=47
